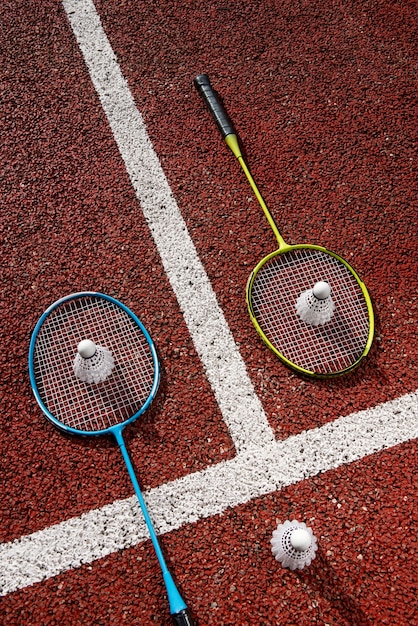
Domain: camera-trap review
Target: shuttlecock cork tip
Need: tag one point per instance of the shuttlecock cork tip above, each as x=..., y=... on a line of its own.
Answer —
x=300, y=539
x=86, y=349
x=321, y=290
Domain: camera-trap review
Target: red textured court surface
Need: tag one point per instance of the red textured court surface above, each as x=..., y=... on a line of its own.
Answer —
x=323, y=96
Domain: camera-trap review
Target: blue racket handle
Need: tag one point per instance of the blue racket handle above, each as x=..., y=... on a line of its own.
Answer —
x=211, y=98
x=183, y=618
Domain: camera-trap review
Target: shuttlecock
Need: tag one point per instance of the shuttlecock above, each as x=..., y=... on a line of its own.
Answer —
x=315, y=306
x=294, y=545
x=92, y=364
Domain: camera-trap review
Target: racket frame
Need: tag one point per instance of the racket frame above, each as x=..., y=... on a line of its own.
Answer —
x=48, y=414
x=283, y=249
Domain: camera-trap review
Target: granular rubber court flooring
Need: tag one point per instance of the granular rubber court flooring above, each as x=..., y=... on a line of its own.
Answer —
x=115, y=179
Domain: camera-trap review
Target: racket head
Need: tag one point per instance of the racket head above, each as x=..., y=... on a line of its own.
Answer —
x=84, y=408
x=326, y=351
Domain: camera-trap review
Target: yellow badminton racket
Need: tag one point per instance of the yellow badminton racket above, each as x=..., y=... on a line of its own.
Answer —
x=284, y=276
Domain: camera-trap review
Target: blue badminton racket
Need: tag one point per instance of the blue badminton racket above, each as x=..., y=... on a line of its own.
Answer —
x=94, y=369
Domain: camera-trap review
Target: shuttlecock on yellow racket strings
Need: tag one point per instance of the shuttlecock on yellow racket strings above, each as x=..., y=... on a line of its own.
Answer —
x=92, y=364
x=315, y=306
x=294, y=545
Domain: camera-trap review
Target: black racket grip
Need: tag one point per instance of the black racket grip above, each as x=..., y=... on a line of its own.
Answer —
x=209, y=95
x=182, y=618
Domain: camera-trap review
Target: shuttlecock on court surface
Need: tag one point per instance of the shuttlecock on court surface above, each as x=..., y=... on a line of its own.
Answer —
x=315, y=306
x=92, y=364
x=294, y=545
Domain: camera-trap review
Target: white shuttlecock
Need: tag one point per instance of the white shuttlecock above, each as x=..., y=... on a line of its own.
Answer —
x=294, y=545
x=315, y=306
x=92, y=364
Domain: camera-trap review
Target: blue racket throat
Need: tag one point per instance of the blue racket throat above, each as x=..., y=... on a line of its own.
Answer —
x=94, y=369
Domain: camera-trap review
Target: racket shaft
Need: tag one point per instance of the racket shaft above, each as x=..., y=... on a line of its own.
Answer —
x=178, y=607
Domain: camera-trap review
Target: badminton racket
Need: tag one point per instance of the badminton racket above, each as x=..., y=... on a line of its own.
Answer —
x=124, y=387
x=278, y=280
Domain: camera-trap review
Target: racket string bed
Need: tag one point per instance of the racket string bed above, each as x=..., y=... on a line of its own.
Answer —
x=274, y=291
x=76, y=404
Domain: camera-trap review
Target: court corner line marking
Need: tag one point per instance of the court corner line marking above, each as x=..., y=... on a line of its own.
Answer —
x=254, y=473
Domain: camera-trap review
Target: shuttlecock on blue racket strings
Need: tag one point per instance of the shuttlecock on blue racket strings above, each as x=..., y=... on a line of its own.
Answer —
x=92, y=364
x=315, y=306
x=294, y=545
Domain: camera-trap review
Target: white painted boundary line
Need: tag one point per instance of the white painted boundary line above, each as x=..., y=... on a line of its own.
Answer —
x=253, y=473
x=225, y=369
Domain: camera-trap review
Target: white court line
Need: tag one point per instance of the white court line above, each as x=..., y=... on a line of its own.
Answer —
x=262, y=465
x=240, y=407
x=253, y=473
